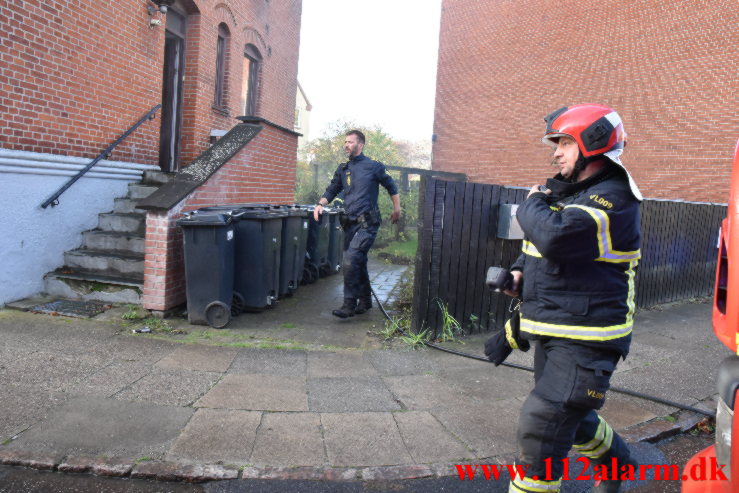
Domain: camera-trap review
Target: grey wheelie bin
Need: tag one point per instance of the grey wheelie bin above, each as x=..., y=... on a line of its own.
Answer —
x=335, y=253
x=257, y=258
x=292, y=253
x=209, y=267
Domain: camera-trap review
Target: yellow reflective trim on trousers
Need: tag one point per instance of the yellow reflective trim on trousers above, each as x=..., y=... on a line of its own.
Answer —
x=528, y=485
x=600, y=444
x=605, y=246
x=589, y=333
x=529, y=249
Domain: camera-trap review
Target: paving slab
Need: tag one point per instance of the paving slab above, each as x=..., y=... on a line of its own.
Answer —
x=49, y=370
x=371, y=439
x=212, y=436
x=170, y=387
x=22, y=407
x=350, y=394
x=418, y=392
x=111, y=379
x=257, y=393
x=403, y=362
x=199, y=358
x=344, y=364
x=427, y=440
x=269, y=361
x=97, y=426
x=289, y=440
x=489, y=430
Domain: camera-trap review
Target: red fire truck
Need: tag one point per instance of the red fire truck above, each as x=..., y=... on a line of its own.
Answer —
x=726, y=328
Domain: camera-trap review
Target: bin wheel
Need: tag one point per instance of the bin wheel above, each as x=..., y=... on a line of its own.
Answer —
x=237, y=304
x=217, y=314
x=325, y=270
x=309, y=274
x=314, y=271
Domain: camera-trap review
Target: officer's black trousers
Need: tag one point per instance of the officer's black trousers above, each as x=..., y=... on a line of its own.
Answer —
x=571, y=381
x=358, y=239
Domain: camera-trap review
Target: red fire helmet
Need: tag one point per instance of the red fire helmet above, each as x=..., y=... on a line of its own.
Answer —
x=596, y=128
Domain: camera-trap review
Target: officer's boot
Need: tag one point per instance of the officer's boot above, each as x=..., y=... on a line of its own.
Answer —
x=347, y=309
x=364, y=304
x=611, y=485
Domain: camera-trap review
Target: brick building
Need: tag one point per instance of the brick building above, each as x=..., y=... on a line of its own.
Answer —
x=74, y=76
x=670, y=68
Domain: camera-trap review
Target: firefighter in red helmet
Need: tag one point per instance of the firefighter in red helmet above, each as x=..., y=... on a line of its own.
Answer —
x=575, y=278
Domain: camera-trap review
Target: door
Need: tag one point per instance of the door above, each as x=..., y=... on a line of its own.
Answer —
x=173, y=77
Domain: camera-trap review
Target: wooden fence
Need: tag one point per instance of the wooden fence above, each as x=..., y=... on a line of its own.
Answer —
x=457, y=242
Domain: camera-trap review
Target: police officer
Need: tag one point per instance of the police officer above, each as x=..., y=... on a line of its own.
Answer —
x=359, y=179
x=576, y=282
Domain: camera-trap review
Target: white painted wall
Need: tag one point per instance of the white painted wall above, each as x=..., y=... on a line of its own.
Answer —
x=33, y=240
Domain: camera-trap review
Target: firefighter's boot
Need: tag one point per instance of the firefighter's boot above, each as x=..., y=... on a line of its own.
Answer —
x=612, y=485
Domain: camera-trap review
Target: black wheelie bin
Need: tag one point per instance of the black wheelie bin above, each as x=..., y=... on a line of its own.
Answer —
x=257, y=262
x=209, y=267
x=316, y=249
x=292, y=253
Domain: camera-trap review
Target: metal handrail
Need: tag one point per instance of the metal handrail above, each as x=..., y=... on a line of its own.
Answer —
x=54, y=199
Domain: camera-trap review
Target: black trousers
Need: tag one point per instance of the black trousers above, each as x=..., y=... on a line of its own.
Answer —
x=358, y=239
x=571, y=383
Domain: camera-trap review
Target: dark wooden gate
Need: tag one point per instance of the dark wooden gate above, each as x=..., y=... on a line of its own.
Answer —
x=458, y=241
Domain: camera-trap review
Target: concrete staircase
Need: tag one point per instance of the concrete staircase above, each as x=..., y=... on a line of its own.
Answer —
x=109, y=266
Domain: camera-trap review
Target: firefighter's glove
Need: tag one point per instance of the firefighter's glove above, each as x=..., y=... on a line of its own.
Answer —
x=499, y=346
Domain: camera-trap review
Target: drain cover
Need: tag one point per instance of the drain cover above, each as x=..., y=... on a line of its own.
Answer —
x=72, y=308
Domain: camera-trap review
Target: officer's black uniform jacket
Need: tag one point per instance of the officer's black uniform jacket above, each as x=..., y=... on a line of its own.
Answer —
x=359, y=179
x=580, y=253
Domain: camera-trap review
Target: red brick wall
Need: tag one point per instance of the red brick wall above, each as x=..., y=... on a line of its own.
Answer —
x=671, y=69
x=263, y=171
x=73, y=76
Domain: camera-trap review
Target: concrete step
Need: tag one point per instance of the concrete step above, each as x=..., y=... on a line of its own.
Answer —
x=122, y=222
x=114, y=242
x=156, y=178
x=139, y=191
x=105, y=263
x=91, y=286
x=126, y=205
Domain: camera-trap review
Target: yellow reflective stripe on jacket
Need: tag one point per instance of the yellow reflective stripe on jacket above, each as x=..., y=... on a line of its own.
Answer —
x=605, y=247
x=600, y=444
x=590, y=333
x=529, y=249
x=581, y=332
x=528, y=485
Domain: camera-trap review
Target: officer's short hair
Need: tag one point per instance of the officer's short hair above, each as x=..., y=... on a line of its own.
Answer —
x=358, y=133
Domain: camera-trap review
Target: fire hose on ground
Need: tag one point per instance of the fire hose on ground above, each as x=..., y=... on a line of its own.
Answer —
x=619, y=390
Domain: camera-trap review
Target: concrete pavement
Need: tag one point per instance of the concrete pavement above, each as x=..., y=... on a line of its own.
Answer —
x=294, y=393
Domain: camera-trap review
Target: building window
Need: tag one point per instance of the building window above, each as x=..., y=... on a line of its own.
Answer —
x=221, y=67
x=250, y=79
x=298, y=116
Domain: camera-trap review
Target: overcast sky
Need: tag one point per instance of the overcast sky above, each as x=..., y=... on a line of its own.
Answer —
x=372, y=62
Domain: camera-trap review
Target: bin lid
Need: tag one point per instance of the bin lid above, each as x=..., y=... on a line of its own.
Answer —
x=203, y=219
x=259, y=214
